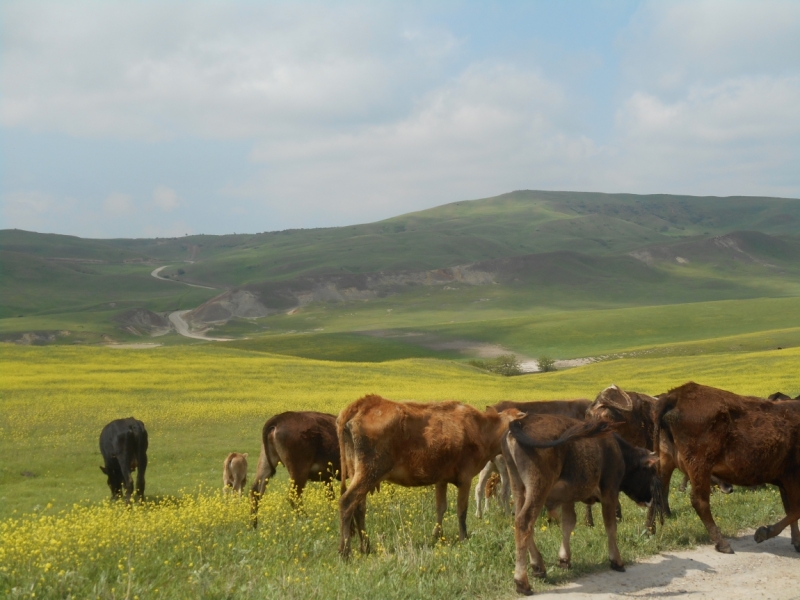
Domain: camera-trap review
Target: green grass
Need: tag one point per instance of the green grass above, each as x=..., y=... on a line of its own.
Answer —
x=199, y=403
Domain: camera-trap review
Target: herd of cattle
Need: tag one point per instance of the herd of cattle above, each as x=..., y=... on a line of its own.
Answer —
x=548, y=454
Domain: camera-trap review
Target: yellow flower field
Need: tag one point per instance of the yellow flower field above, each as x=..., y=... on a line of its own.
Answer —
x=60, y=537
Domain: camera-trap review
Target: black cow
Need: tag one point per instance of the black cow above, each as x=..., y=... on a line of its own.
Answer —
x=123, y=444
x=780, y=397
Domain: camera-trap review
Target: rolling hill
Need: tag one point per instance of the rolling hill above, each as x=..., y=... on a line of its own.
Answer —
x=512, y=256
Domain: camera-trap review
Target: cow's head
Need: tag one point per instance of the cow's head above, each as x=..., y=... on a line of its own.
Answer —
x=114, y=476
x=612, y=404
x=641, y=482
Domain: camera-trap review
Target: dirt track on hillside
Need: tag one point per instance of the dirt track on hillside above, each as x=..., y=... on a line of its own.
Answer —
x=770, y=570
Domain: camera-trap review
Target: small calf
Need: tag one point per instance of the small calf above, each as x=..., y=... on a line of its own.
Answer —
x=234, y=472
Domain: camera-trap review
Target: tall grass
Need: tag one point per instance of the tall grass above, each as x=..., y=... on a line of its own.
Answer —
x=59, y=536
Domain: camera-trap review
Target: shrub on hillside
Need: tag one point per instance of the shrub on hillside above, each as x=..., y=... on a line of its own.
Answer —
x=546, y=364
x=505, y=364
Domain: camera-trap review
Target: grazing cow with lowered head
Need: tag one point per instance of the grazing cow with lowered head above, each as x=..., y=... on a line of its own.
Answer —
x=412, y=444
x=780, y=397
x=556, y=461
x=567, y=408
x=123, y=444
x=305, y=442
x=234, y=472
x=745, y=440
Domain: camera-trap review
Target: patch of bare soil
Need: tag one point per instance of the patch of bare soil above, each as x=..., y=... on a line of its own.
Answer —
x=142, y=346
x=770, y=570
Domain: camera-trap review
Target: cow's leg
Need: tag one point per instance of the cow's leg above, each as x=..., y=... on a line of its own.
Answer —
x=568, y=520
x=264, y=471
x=127, y=477
x=296, y=486
x=462, y=502
x=787, y=506
x=140, y=476
x=505, y=485
x=441, y=507
x=700, y=494
x=610, y=521
x=791, y=504
x=525, y=542
x=553, y=517
x=360, y=521
x=666, y=468
x=352, y=501
x=480, y=488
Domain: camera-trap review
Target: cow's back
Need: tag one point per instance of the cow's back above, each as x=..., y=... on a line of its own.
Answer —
x=419, y=443
x=575, y=409
x=749, y=440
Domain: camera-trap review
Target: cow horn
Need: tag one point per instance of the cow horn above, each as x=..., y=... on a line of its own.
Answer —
x=629, y=400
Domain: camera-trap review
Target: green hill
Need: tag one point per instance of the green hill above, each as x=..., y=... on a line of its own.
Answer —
x=496, y=258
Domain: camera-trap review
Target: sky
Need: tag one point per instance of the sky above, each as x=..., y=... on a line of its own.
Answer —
x=160, y=119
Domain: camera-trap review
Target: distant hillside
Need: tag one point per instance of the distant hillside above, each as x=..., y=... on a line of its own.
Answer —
x=532, y=248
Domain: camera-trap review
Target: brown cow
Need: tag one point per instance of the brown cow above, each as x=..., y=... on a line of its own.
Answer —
x=234, y=472
x=554, y=461
x=305, y=442
x=575, y=409
x=412, y=444
x=744, y=440
x=634, y=414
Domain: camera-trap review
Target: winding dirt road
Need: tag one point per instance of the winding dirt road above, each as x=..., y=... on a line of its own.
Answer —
x=155, y=273
x=182, y=327
x=770, y=570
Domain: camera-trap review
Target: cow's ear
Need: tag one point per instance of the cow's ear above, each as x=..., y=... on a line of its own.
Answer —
x=245, y=455
x=103, y=469
x=651, y=460
x=491, y=410
x=520, y=416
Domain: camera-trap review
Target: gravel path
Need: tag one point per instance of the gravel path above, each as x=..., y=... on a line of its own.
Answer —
x=155, y=273
x=182, y=327
x=770, y=570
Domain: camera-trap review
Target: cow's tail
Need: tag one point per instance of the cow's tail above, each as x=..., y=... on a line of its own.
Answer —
x=663, y=406
x=226, y=467
x=589, y=429
x=344, y=434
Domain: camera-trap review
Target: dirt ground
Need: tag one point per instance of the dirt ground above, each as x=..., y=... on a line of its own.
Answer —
x=770, y=570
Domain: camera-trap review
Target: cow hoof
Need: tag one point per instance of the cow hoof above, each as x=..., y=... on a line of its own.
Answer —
x=762, y=534
x=540, y=574
x=618, y=567
x=724, y=547
x=564, y=564
x=523, y=588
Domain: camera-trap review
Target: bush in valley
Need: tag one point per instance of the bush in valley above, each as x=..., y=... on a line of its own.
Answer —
x=505, y=364
x=546, y=364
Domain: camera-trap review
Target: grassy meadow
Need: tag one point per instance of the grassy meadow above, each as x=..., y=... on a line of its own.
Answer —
x=59, y=536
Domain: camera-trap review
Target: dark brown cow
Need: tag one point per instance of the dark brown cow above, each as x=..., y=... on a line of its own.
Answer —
x=575, y=409
x=305, y=442
x=412, y=444
x=556, y=461
x=745, y=440
x=634, y=414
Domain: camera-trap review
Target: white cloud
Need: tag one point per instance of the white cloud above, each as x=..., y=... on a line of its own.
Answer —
x=165, y=198
x=117, y=204
x=492, y=129
x=671, y=45
x=26, y=210
x=155, y=71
